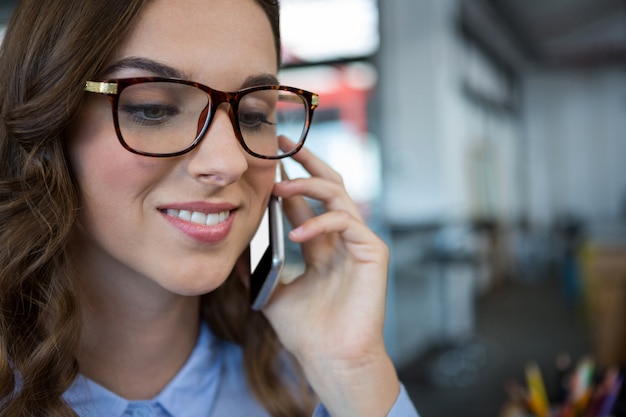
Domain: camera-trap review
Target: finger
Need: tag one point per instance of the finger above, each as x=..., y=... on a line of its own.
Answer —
x=314, y=165
x=333, y=195
x=297, y=210
x=334, y=198
x=360, y=241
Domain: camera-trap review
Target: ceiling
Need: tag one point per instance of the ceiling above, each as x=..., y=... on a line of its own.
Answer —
x=566, y=33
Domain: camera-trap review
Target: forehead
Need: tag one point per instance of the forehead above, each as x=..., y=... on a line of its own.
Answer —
x=216, y=42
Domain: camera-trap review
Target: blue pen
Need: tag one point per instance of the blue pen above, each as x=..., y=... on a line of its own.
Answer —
x=610, y=399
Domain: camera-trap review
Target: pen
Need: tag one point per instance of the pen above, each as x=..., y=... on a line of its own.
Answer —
x=537, y=398
x=601, y=392
x=580, y=393
x=610, y=399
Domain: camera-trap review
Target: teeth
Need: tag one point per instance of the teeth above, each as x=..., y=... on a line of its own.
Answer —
x=185, y=215
x=210, y=219
x=197, y=217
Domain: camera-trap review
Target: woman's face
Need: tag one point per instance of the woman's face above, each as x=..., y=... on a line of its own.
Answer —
x=129, y=229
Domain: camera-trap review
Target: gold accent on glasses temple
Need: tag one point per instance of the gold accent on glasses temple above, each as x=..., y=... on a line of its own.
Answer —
x=315, y=100
x=101, y=87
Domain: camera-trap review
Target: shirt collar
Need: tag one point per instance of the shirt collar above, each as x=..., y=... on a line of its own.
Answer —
x=191, y=393
x=89, y=399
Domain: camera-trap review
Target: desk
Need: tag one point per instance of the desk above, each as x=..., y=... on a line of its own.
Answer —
x=605, y=290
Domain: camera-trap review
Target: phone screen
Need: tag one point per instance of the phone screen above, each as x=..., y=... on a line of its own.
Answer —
x=267, y=255
x=260, y=243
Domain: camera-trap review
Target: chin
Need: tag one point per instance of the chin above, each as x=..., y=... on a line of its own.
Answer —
x=194, y=284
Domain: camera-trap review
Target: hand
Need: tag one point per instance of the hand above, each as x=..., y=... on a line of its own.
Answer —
x=331, y=317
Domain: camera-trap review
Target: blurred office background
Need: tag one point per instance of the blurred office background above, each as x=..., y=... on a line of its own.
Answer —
x=485, y=141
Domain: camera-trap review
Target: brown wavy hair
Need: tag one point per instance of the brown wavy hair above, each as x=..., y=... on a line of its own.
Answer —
x=50, y=49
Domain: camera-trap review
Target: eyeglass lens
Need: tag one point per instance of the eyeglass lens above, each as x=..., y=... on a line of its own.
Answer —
x=163, y=117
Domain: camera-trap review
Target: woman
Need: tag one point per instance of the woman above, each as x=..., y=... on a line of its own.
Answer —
x=123, y=284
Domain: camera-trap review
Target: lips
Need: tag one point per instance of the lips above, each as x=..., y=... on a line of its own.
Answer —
x=204, y=223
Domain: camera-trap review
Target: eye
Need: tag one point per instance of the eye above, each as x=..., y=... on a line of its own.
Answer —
x=251, y=120
x=154, y=112
x=149, y=114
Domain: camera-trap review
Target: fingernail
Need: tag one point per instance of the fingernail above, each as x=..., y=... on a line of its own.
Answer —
x=295, y=232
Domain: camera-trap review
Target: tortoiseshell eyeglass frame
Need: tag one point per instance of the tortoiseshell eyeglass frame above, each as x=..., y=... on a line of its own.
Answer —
x=114, y=87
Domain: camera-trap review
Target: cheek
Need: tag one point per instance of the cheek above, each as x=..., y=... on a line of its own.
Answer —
x=89, y=144
x=108, y=176
x=261, y=175
x=95, y=163
x=260, y=180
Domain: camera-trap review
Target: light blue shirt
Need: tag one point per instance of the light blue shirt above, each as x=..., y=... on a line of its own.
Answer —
x=210, y=384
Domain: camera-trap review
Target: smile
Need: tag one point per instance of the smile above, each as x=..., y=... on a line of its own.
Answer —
x=207, y=219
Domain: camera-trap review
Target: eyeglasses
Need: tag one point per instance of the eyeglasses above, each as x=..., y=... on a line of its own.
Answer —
x=163, y=117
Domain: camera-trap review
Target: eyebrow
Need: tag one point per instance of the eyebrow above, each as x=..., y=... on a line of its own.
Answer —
x=261, y=79
x=144, y=64
x=166, y=71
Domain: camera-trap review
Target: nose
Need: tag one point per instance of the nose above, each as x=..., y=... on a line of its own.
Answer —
x=218, y=159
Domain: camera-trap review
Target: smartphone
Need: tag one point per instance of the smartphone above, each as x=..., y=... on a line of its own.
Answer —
x=267, y=255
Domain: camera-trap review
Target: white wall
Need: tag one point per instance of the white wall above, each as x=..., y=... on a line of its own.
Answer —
x=576, y=133
x=413, y=89
x=445, y=159
x=431, y=135
x=413, y=84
